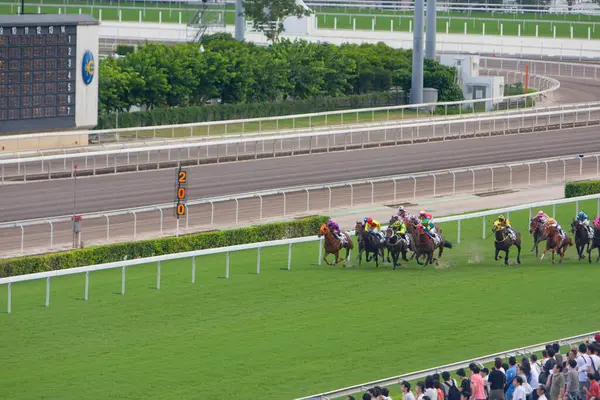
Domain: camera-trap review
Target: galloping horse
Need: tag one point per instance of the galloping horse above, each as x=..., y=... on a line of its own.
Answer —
x=411, y=231
x=537, y=229
x=395, y=245
x=582, y=238
x=595, y=245
x=426, y=246
x=555, y=242
x=503, y=242
x=368, y=243
x=333, y=245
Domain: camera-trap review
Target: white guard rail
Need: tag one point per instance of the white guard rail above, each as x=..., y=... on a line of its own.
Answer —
x=231, y=210
x=251, y=246
x=521, y=351
x=509, y=66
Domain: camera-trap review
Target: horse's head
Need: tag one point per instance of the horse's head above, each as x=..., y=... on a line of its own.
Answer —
x=358, y=227
x=533, y=225
x=389, y=232
x=549, y=230
x=574, y=225
x=420, y=229
x=324, y=231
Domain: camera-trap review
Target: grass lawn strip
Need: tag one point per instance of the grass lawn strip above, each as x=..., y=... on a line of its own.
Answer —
x=283, y=334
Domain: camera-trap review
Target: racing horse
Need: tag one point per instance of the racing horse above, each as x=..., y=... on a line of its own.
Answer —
x=395, y=245
x=595, y=245
x=555, y=242
x=426, y=246
x=503, y=242
x=582, y=238
x=536, y=228
x=368, y=243
x=333, y=245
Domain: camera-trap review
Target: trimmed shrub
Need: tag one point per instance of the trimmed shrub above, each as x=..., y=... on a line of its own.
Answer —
x=581, y=188
x=156, y=247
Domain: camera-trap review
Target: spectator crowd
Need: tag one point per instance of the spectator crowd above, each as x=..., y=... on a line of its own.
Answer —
x=571, y=376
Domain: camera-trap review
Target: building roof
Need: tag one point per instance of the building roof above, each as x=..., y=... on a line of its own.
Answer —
x=45, y=19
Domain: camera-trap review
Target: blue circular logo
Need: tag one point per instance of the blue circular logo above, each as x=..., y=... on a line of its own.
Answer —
x=88, y=67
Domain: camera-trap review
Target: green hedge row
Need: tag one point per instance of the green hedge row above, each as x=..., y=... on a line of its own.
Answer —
x=581, y=188
x=155, y=247
x=221, y=112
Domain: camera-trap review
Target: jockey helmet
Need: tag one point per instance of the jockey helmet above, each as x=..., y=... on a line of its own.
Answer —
x=366, y=220
x=501, y=218
x=370, y=220
x=551, y=220
x=330, y=223
x=540, y=213
x=395, y=218
x=422, y=212
x=401, y=210
x=581, y=214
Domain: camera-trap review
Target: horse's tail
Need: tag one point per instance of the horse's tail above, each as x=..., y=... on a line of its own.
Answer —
x=447, y=244
x=570, y=242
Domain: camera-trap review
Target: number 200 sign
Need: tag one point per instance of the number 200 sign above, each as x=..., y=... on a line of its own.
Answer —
x=181, y=192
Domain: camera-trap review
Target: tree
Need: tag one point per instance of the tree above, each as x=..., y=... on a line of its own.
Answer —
x=268, y=15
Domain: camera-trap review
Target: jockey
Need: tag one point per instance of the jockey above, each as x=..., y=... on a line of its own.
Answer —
x=504, y=223
x=554, y=223
x=597, y=222
x=373, y=227
x=427, y=222
x=584, y=220
x=335, y=229
x=398, y=226
x=541, y=217
x=402, y=213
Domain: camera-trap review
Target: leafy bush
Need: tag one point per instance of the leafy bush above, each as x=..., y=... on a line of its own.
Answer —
x=155, y=247
x=581, y=188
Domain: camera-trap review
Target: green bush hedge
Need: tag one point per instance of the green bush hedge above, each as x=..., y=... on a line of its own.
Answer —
x=155, y=247
x=581, y=188
x=221, y=112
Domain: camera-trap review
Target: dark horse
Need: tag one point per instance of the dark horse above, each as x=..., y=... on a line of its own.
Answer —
x=426, y=246
x=595, y=245
x=368, y=243
x=333, y=245
x=503, y=242
x=395, y=245
x=556, y=243
x=582, y=238
x=537, y=229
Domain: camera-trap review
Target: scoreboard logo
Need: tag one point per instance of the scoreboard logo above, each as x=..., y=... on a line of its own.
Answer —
x=88, y=67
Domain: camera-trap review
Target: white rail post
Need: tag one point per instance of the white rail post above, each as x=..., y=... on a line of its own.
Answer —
x=307, y=200
x=321, y=243
x=483, y=231
x=290, y=257
x=458, y=233
x=576, y=206
x=87, y=285
x=434, y=184
x=51, y=234
x=194, y=269
x=9, y=300
x=329, y=207
x=123, y=280
x=227, y=265
x=22, y=238
x=158, y=275
x=47, y=291
x=372, y=193
x=564, y=170
x=598, y=207
x=237, y=210
x=554, y=210
x=258, y=261
x=107, y=227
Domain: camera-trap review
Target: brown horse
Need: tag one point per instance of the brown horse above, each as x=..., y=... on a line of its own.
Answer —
x=503, y=242
x=536, y=228
x=426, y=246
x=333, y=245
x=555, y=242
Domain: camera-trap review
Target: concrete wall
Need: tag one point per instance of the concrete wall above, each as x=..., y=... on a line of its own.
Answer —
x=87, y=95
x=50, y=142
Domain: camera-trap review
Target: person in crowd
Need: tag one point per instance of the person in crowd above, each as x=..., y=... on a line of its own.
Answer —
x=420, y=390
x=541, y=392
x=593, y=393
x=385, y=393
x=438, y=388
x=349, y=397
x=464, y=387
x=497, y=380
x=519, y=390
x=583, y=363
x=535, y=365
x=592, y=353
x=557, y=383
x=430, y=388
x=485, y=373
x=572, y=380
x=406, y=393
x=477, y=384
x=523, y=372
x=511, y=373
x=450, y=386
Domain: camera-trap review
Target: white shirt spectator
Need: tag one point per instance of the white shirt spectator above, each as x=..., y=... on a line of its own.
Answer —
x=535, y=366
x=432, y=393
x=408, y=396
x=519, y=393
x=535, y=377
x=420, y=396
x=595, y=362
x=542, y=397
x=582, y=365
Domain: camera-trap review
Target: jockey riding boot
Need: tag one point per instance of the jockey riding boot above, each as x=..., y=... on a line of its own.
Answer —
x=511, y=234
x=590, y=231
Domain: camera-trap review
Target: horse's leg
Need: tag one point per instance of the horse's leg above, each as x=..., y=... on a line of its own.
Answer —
x=590, y=254
x=337, y=257
x=544, y=253
x=496, y=255
x=325, y=258
x=519, y=254
x=598, y=254
x=347, y=258
x=553, y=252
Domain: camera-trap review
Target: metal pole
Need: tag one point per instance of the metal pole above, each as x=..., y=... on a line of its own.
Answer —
x=258, y=261
x=227, y=265
x=194, y=269
x=240, y=22
x=321, y=244
x=158, y=276
x=87, y=285
x=9, y=301
x=290, y=257
x=430, y=30
x=123, y=280
x=416, y=92
x=47, y=291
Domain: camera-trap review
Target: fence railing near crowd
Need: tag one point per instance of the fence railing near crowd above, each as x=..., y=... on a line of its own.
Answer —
x=251, y=246
x=224, y=150
x=513, y=69
x=150, y=221
x=525, y=351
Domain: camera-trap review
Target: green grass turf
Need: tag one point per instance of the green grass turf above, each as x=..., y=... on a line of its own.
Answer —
x=153, y=12
x=284, y=333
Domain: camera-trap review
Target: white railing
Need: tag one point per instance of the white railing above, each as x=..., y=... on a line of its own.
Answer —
x=253, y=246
x=544, y=84
x=525, y=351
x=159, y=220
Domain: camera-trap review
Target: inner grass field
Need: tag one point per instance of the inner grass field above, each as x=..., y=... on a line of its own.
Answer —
x=366, y=19
x=283, y=334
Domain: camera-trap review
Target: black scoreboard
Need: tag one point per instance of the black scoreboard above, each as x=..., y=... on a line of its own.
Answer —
x=39, y=72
